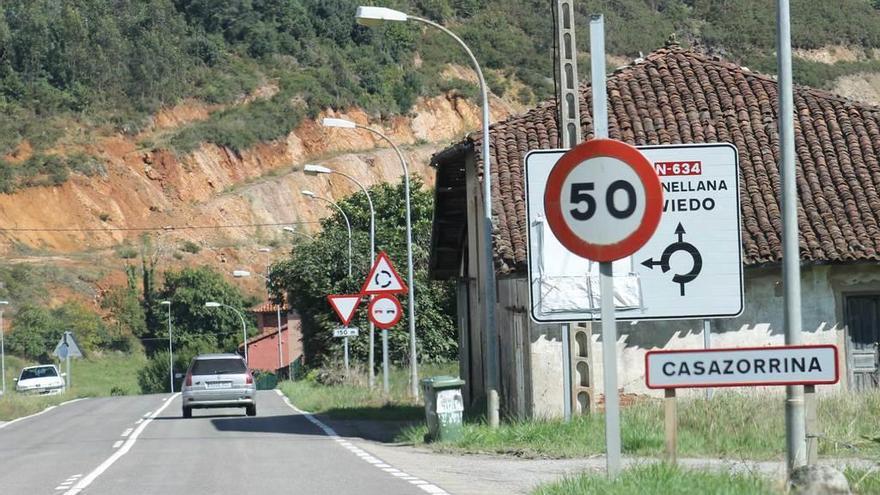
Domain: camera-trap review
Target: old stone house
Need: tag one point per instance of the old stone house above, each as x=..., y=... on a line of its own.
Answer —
x=679, y=96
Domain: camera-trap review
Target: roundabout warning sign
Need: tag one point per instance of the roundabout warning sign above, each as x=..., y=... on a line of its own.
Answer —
x=691, y=267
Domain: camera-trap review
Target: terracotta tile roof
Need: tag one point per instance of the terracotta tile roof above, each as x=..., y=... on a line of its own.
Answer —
x=679, y=96
x=269, y=307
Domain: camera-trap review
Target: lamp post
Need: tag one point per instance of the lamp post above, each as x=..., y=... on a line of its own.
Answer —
x=414, y=365
x=291, y=230
x=2, y=349
x=310, y=194
x=170, y=349
x=212, y=304
x=318, y=170
x=372, y=16
x=245, y=274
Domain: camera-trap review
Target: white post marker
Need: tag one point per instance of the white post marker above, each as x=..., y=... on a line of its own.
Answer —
x=603, y=202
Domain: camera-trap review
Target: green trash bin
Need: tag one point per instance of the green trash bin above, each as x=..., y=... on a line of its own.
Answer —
x=443, y=407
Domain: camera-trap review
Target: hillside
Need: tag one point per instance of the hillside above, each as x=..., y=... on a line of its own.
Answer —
x=170, y=116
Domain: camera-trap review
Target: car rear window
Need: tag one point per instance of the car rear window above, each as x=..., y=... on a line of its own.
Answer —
x=218, y=366
x=38, y=373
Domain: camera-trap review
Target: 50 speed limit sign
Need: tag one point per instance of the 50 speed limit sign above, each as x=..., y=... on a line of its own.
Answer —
x=603, y=200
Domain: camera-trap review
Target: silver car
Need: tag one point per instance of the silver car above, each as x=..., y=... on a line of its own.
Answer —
x=218, y=380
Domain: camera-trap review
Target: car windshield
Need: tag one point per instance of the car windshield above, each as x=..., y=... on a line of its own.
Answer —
x=41, y=372
x=218, y=366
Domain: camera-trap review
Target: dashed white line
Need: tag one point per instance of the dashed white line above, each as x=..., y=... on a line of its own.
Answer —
x=127, y=432
x=91, y=477
x=367, y=457
x=117, y=444
x=139, y=421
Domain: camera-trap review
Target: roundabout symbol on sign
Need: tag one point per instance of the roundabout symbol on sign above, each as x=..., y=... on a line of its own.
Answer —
x=603, y=200
x=680, y=245
x=385, y=311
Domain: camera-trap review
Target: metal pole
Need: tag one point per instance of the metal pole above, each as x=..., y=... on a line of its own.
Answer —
x=243, y=330
x=170, y=353
x=371, y=374
x=2, y=354
x=606, y=287
x=386, y=387
x=347, y=226
x=566, y=372
x=707, y=344
x=345, y=343
x=277, y=312
x=795, y=428
x=411, y=294
x=488, y=261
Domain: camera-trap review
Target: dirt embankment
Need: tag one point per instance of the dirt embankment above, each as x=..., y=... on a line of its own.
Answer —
x=149, y=188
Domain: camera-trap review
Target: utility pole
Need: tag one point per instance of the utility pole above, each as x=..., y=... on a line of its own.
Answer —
x=569, y=118
x=795, y=427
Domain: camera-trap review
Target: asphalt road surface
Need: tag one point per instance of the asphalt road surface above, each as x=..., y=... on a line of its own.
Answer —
x=141, y=445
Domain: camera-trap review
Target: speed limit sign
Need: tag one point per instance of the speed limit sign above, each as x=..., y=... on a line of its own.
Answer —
x=603, y=200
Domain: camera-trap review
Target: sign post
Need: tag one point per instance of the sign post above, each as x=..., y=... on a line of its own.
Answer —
x=384, y=279
x=807, y=365
x=603, y=202
x=65, y=349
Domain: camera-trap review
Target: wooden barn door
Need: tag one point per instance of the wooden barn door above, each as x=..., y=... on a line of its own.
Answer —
x=863, y=334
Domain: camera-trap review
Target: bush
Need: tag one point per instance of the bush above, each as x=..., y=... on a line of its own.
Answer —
x=190, y=247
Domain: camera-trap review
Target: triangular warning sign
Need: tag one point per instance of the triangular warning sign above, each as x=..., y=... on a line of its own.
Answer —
x=383, y=278
x=344, y=305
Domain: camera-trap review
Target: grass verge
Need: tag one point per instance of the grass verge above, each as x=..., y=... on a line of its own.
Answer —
x=112, y=374
x=355, y=400
x=729, y=426
x=660, y=479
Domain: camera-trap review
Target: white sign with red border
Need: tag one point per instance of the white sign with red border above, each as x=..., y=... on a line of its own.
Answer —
x=345, y=305
x=603, y=200
x=385, y=311
x=690, y=268
x=383, y=278
x=742, y=367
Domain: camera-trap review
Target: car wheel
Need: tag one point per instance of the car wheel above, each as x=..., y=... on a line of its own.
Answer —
x=187, y=412
x=251, y=410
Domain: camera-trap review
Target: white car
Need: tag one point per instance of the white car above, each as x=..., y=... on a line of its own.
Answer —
x=43, y=380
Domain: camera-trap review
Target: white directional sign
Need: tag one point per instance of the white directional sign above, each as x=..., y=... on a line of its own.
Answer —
x=754, y=366
x=345, y=332
x=383, y=278
x=690, y=268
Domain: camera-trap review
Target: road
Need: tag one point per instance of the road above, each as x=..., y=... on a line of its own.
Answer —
x=141, y=445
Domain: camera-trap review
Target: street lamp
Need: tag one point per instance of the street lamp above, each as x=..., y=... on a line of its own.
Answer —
x=373, y=16
x=2, y=349
x=170, y=350
x=310, y=194
x=414, y=365
x=318, y=170
x=291, y=230
x=212, y=304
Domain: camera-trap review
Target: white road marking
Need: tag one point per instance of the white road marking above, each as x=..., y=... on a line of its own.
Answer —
x=148, y=413
x=72, y=401
x=4, y=425
x=139, y=421
x=61, y=487
x=127, y=432
x=91, y=477
x=117, y=444
x=362, y=454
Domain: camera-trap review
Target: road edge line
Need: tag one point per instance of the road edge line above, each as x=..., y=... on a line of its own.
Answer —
x=362, y=454
x=98, y=471
x=4, y=424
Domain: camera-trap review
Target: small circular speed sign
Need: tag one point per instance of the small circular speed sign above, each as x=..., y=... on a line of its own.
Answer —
x=385, y=311
x=603, y=200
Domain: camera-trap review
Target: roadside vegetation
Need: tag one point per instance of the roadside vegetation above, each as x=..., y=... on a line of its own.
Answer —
x=727, y=426
x=102, y=65
x=662, y=479
x=327, y=391
x=97, y=376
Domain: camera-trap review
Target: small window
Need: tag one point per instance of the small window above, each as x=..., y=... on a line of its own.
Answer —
x=218, y=366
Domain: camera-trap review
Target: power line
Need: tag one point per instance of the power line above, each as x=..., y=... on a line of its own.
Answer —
x=149, y=229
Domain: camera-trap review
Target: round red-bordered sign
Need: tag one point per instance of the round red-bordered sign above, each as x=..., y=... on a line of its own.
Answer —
x=385, y=311
x=575, y=160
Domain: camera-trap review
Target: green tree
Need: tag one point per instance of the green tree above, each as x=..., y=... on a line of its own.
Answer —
x=36, y=330
x=320, y=267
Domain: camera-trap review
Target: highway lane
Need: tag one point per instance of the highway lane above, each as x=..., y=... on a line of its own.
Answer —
x=223, y=451
x=39, y=455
